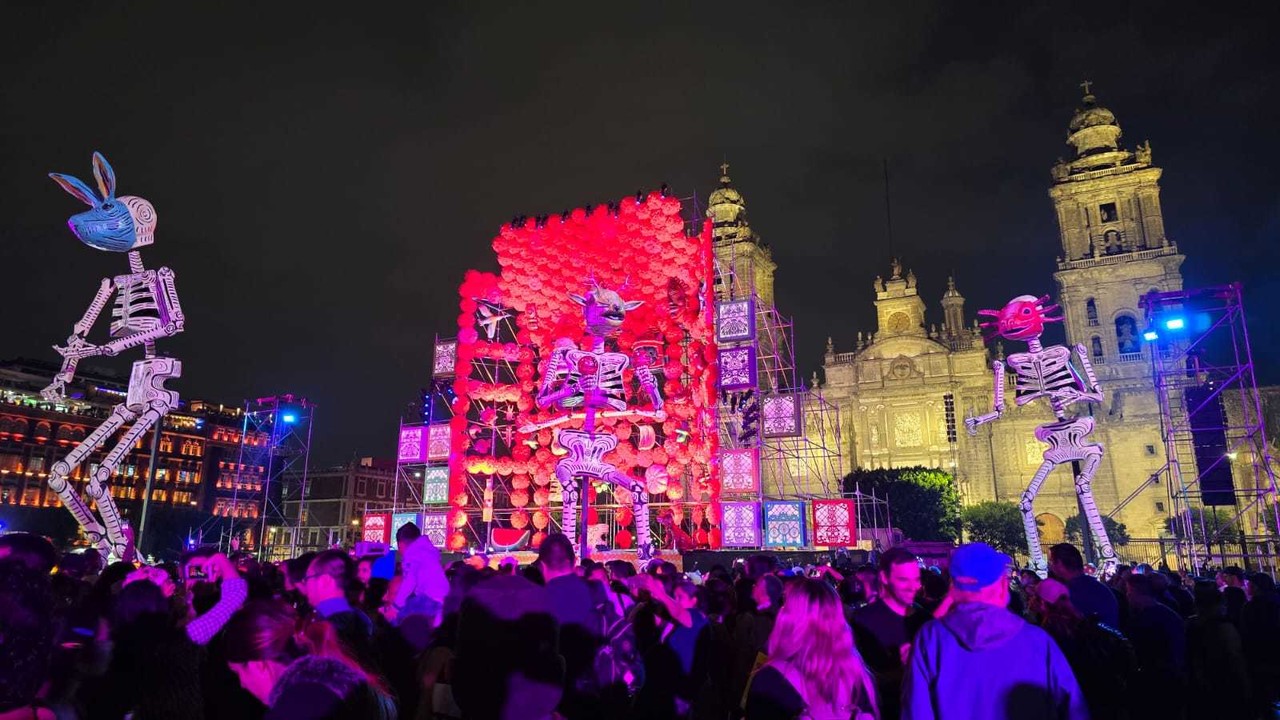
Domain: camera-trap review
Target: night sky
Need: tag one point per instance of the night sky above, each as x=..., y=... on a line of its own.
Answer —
x=324, y=176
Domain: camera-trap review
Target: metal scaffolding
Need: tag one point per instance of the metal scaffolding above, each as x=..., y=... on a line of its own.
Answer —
x=1214, y=430
x=795, y=429
x=285, y=421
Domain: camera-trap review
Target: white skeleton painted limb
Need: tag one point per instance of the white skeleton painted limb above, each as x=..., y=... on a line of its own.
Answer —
x=972, y=423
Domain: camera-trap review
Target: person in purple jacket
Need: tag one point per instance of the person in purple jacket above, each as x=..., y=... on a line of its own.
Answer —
x=981, y=661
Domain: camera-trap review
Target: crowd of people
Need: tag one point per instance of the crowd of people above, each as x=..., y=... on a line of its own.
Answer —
x=326, y=635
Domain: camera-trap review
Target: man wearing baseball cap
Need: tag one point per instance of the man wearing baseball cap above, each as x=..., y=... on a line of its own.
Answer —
x=980, y=660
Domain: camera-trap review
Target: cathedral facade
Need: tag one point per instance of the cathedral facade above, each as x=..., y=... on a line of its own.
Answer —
x=904, y=390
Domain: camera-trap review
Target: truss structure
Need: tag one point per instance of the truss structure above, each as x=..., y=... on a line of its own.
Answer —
x=285, y=421
x=791, y=430
x=1213, y=426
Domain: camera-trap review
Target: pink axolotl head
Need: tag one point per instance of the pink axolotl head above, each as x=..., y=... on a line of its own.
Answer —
x=1022, y=318
x=604, y=310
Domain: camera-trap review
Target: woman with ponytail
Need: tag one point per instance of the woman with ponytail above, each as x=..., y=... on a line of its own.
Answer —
x=301, y=672
x=813, y=672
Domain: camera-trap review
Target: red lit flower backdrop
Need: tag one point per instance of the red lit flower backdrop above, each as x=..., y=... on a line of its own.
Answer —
x=507, y=325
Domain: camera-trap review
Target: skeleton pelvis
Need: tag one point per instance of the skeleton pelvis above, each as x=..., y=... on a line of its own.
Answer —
x=1067, y=439
x=146, y=384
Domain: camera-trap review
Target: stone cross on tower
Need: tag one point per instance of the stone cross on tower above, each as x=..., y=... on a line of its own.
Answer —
x=1086, y=85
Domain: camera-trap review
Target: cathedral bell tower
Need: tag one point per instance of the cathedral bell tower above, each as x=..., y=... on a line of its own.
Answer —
x=1114, y=248
x=740, y=254
x=899, y=308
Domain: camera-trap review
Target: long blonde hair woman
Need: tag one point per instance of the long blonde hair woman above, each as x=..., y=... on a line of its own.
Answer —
x=814, y=672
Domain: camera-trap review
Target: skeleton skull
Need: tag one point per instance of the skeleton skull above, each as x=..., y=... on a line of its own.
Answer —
x=604, y=310
x=1023, y=318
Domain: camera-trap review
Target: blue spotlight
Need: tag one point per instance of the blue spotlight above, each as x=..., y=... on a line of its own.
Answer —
x=1150, y=336
x=289, y=418
x=1175, y=323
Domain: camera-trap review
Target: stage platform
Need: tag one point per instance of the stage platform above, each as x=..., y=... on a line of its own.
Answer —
x=700, y=560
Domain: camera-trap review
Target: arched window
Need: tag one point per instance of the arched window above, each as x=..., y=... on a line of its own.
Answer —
x=1091, y=312
x=1127, y=339
x=1111, y=243
x=1096, y=346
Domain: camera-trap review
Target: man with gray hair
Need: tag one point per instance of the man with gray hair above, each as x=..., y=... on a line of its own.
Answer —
x=981, y=661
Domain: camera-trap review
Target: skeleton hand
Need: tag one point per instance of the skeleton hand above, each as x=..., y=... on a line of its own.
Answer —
x=78, y=348
x=971, y=424
x=57, y=389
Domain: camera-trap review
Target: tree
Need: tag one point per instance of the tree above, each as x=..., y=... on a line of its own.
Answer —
x=923, y=502
x=998, y=524
x=1116, y=531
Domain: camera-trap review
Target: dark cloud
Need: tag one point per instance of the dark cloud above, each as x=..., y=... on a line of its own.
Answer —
x=324, y=174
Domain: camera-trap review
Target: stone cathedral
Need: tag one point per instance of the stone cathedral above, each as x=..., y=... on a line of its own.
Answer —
x=904, y=389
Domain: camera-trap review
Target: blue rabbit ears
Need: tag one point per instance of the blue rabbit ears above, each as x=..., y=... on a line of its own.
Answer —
x=102, y=172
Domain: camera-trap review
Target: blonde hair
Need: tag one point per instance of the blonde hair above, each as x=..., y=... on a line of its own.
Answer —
x=812, y=637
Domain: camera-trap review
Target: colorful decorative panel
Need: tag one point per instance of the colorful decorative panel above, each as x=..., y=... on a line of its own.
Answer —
x=740, y=471
x=835, y=523
x=446, y=358
x=737, y=368
x=435, y=485
x=438, y=441
x=781, y=416
x=735, y=321
x=740, y=524
x=399, y=520
x=413, y=444
x=435, y=526
x=377, y=528
x=784, y=524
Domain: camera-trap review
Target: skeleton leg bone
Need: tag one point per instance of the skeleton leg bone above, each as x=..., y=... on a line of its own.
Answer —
x=59, y=475
x=639, y=508
x=115, y=540
x=1084, y=490
x=569, y=492
x=1029, y=517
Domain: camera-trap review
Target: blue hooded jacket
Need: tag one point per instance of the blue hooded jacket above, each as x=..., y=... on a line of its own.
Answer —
x=980, y=661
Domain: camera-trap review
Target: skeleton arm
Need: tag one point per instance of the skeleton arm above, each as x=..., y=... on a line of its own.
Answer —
x=1093, y=389
x=76, y=346
x=972, y=423
x=650, y=385
x=553, y=390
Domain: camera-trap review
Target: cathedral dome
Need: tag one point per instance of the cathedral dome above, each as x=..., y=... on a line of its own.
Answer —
x=727, y=211
x=1092, y=115
x=1093, y=128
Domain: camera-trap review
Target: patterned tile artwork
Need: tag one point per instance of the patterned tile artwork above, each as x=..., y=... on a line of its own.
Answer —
x=445, y=358
x=737, y=368
x=740, y=471
x=735, y=321
x=434, y=526
x=784, y=523
x=740, y=524
x=435, y=485
x=413, y=444
x=835, y=523
x=438, y=441
x=781, y=415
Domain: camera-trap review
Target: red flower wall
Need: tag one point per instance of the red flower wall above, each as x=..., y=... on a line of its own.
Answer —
x=639, y=243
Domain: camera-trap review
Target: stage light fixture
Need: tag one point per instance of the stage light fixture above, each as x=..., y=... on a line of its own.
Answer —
x=1175, y=323
x=1151, y=336
x=288, y=418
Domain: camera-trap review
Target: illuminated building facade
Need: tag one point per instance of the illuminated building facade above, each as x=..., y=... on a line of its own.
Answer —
x=906, y=388
x=195, y=467
x=337, y=499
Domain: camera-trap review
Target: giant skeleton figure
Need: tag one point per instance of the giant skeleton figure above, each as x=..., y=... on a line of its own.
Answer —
x=1047, y=372
x=146, y=308
x=591, y=381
